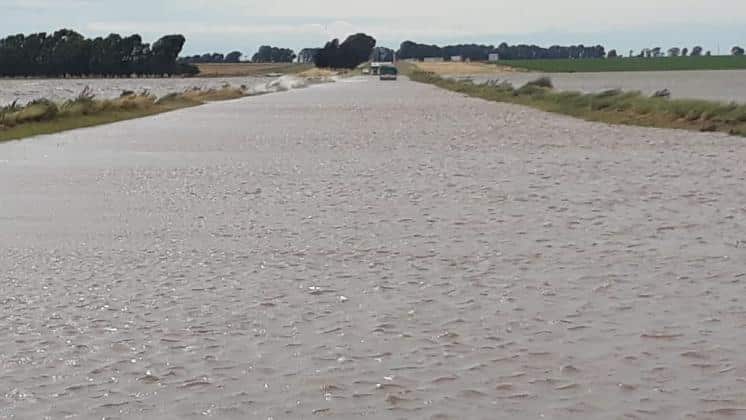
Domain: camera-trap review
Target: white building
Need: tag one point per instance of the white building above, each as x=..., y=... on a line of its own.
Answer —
x=457, y=58
x=432, y=59
x=493, y=57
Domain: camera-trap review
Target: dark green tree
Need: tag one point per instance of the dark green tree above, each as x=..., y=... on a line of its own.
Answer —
x=269, y=54
x=66, y=52
x=233, y=57
x=356, y=49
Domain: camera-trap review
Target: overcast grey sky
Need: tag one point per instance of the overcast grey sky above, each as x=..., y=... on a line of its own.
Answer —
x=222, y=25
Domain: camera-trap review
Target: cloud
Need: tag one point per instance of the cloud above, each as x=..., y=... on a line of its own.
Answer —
x=36, y=5
x=222, y=24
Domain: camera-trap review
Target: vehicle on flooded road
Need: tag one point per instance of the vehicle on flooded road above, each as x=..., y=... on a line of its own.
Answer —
x=389, y=73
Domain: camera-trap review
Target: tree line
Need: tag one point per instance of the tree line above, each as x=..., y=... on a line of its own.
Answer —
x=68, y=53
x=383, y=54
x=269, y=54
x=657, y=52
x=356, y=49
x=477, y=52
x=308, y=55
x=231, y=57
x=266, y=54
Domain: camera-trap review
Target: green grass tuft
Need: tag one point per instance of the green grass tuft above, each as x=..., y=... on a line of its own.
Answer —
x=46, y=117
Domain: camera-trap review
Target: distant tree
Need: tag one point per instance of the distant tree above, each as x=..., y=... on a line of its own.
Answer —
x=356, y=49
x=412, y=50
x=264, y=55
x=269, y=54
x=66, y=52
x=737, y=51
x=474, y=52
x=674, y=52
x=631, y=53
x=233, y=57
x=684, y=52
x=708, y=53
x=164, y=53
x=211, y=58
x=308, y=55
x=656, y=52
x=696, y=51
x=612, y=54
x=382, y=54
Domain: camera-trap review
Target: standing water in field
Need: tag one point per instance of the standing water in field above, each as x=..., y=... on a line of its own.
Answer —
x=715, y=85
x=60, y=90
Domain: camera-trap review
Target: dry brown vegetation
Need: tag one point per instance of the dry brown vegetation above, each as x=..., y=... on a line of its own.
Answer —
x=45, y=117
x=249, y=69
x=462, y=68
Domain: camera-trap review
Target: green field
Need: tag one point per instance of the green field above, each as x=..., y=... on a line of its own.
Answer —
x=629, y=64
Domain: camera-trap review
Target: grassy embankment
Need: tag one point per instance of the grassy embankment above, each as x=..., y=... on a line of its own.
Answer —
x=46, y=117
x=614, y=106
x=629, y=64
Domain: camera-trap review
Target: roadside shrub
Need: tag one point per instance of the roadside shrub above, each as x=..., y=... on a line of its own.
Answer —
x=39, y=110
x=663, y=93
x=130, y=102
x=531, y=90
x=83, y=104
x=168, y=98
x=544, y=82
x=608, y=93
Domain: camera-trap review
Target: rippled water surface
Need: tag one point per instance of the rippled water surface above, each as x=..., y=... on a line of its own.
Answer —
x=59, y=90
x=369, y=249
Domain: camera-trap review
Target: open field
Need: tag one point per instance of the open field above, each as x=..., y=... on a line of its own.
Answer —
x=461, y=68
x=630, y=64
x=249, y=69
x=369, y=249
x=587, y=66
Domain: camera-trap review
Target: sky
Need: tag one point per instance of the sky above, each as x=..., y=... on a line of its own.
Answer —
x=244, y=25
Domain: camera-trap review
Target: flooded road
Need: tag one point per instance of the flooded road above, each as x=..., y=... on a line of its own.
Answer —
x=372, y=249
x=713, y=85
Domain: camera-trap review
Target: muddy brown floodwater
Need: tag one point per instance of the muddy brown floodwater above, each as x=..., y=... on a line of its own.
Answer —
x=60, y=90
x=712, y=85
x=372, y=249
